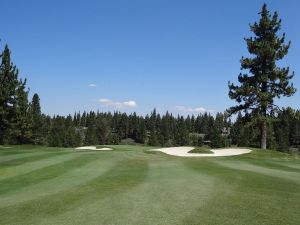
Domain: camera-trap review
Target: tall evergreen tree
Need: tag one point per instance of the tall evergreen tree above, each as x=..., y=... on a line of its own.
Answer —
x=182, y=132
x=153, y=139
x=14, y=123
x=217, y=140
x=142, y=132
x=266, y=81
x=38, y=134
x=102, y=130
x=91, y=136
x=57, y=136
x=23, y=118
x=165, y=131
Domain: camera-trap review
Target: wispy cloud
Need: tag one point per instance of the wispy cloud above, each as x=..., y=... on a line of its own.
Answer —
x=117, y=104
x=192, y=110
x=92, y=85
x=130, y=104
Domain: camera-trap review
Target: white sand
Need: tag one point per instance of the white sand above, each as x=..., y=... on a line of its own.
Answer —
x=94, y=148
x=184, y=151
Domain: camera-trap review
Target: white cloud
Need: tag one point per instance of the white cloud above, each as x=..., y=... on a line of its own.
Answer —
x=92, y=85
x=192, y=110
x=130, y=104
x=104, y=100
x=116, y=104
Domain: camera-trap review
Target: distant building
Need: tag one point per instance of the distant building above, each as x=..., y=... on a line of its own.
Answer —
x=226, y=131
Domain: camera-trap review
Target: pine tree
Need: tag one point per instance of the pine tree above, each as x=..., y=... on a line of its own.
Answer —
x=37, y=121
x=165, y=131
x=153, y=140
x=91, y=138
x=219, y=122
x=72, y=136
x=283, y=129
x=102, y=130
x=255, y=96
x=142, y=132
x=8, y=85
x=14, y=117
x=182, y=132
x=57, y=135
x=217, y=140
x=23, y=118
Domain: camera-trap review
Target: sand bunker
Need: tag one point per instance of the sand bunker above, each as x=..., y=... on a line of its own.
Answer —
x=184, y=151
x=94, y=148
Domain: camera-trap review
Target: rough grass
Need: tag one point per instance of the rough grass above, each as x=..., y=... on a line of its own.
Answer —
x=128, y=186
x=203, y=150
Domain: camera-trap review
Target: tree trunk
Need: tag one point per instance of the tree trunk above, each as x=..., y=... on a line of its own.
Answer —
x=264, y=135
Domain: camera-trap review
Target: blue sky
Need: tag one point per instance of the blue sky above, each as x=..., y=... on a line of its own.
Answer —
x=169, y=54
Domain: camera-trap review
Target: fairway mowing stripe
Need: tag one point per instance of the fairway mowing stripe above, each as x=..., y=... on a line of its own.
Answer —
x=8, y=157
x=45, y=173
x=242, y=190
x=251, y=195
x=9, y=172
x=69, y=180
x=289, y=165
x=169, y=189
x=232, y=173
x=273, y=165
x=13, y=152
x=126, y=174
x=29, y=159
x=291, y=176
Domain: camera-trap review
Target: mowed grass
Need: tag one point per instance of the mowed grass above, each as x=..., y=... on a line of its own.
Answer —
x=130, y=185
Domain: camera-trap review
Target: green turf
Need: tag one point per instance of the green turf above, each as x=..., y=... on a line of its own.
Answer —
x=46, y=186
x=203, y=150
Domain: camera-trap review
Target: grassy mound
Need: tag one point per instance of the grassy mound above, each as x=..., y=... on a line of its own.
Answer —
x=203, y=150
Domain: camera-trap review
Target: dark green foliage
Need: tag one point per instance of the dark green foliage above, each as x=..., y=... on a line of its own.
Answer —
x=265, y=81
x=200, y=142
x=165, y=138
x=113, y=139
x=244, y=135
x=286, y=129
x=72, y=137
x=38, y=122
x=196, y=139
x=153, y=140
x=15, y=126
x=106, y=128
x=23, y=127
x=102, y=131
x=217, y=140
x=57, y=132
x=182, y=134
x=141, y=136
x=91, y=138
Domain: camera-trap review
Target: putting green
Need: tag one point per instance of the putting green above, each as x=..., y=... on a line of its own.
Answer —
x=132, y=185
